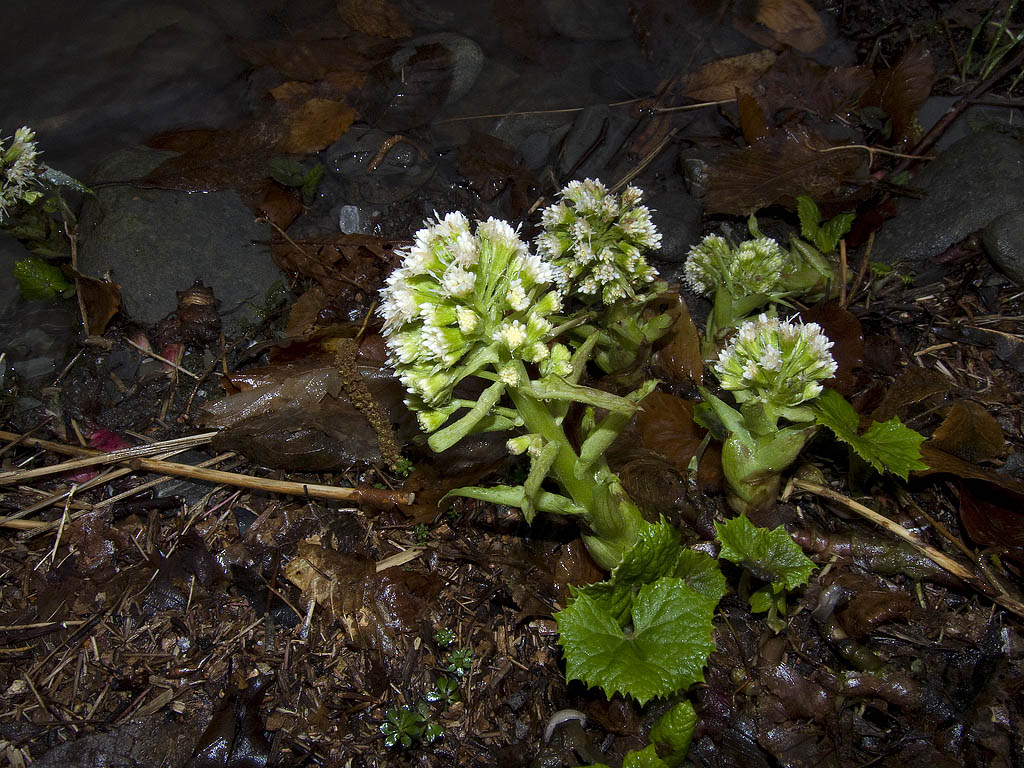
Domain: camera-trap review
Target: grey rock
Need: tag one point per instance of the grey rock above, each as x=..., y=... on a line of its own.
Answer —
x=155, y=242
x=976, y=180
x=402, y=171
x=1003, y=239
x=353, y=219
x=593, y=141
x=467, y=58
x=535, y=150
x=589, y=19
x=677, y=215
x=112, y=72
x=976, y=118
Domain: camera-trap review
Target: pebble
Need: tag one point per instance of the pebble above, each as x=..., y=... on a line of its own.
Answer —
x=589, y=19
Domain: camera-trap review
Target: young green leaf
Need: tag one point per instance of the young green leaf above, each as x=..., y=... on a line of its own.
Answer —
x=771, y=555
x=672, y=733
x=38, y=280
x=664, y=653
x=886, y=446
x=657, y=553
x=809, y=215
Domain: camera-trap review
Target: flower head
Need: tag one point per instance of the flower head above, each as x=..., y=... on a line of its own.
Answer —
x=753, y=267
x=18, y=170
x=596, y=240
x=776, y=362
x=462, y=294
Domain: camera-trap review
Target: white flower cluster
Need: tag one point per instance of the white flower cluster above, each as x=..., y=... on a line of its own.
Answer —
x=18, y=170
x=464, y=299
x=777, y=362
x=752, y=267
x=598, y=240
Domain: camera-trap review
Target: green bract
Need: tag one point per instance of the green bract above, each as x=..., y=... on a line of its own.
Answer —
x=597, y=240
x=463, y=300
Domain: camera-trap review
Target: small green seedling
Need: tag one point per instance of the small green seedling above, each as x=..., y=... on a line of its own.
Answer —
x=406, y=725
x=460, y=661
x=445, y=692
x=444, y=638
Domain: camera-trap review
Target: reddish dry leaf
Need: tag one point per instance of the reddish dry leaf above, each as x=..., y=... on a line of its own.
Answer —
x=914, y=385
x=847, y=337
x=318, y=59
x=992, y=516
x=777, y=170
x=315, y=124
x=790, y=23
x=340, y=263
x=666, y=426
x=797, y=83
x=718, y=80
x=752, y=121
x=902, y=90
x=678, y=356
x=374, y=17
x=940, y=462
x=970, y=432
x=491, y=167
x=100, y=300
x=281, y=206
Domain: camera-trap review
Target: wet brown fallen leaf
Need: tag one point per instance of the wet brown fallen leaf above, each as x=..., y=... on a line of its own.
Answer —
x=993, y=517
x=718, y=80
x=902, y=90
x=491, y=167
x=791, y=23
x=315, y=124
x=797, y=83
x=914, y=385
x=678, y=353
x=100, y=300
x=374, y=17
x=970, y=432
x=778, y=169
x=666, y=426
x=844, y=329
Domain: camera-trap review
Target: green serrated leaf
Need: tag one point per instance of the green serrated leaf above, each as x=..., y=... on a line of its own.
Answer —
x=810, y=215
x=644, y=758
x=832, y=232
x=286, y=171
x=701, y=573
x=762, y=600
x=771, y=555
x=672, y=733
x=664, y=653
x=886, y=446
x=310, y=183
x=38, y=280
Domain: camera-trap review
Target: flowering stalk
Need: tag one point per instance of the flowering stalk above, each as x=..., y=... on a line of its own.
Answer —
x=774, y=370
x=476, y=304
x=742, y=279
x=597, y=241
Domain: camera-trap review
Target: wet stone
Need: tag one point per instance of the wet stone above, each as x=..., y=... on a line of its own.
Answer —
x=594, y=140
x=969, y=185
x=589, y=19
x=401, y=171
x=156, y=242
x=1003, y=239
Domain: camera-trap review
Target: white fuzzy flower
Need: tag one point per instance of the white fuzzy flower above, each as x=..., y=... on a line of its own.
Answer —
x=512, y=335
x=516, y=296
x=457, y=281
x=597, y=239
x=509, y=375
x=779, y=363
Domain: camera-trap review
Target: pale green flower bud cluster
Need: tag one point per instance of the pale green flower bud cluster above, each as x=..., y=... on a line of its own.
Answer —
x=18, y=170
x=463, y=300
x=598, y=241
x=776, y=362
x=753, y=267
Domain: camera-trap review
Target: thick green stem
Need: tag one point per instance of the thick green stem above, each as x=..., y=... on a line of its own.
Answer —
x=614, y=520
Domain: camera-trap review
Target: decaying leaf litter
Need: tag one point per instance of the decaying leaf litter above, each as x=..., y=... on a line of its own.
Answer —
x=290, y=624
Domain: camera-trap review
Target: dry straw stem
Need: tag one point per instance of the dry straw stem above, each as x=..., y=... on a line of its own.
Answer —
x=134, y=457
x=937, y=557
